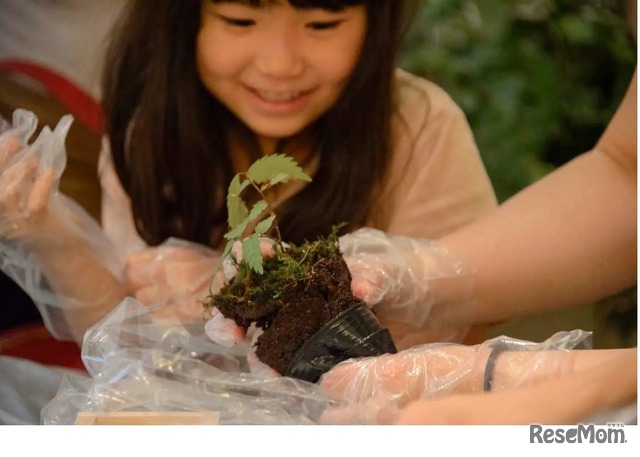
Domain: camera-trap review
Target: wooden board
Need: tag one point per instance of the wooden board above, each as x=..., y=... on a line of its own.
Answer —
x=148, y=418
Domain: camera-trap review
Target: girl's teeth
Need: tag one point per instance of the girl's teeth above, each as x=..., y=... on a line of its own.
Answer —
x=278, y=96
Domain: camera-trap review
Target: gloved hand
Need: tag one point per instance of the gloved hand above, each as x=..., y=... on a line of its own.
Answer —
x=177, y=272
x=49, y=245
x=585, y=396
x=416, y=287
x=225, y=331
x=380, y=387
x=29, y=175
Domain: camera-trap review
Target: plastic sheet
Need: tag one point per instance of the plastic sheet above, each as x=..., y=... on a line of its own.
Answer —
x=143, y=358
x=152, y=358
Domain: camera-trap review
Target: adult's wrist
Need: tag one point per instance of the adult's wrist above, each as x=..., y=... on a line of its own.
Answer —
x=519, y=368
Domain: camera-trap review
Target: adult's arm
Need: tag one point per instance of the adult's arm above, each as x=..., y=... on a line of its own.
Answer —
x=563, y=400
x=568, y=239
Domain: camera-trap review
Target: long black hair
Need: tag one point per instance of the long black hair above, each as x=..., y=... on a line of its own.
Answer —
x=169, y=135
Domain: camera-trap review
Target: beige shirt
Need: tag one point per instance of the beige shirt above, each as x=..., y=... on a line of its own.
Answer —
x=437, y=182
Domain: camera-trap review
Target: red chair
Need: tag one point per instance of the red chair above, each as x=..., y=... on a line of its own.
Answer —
x=84, y=107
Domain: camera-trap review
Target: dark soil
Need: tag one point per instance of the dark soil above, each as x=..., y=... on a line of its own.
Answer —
x=289, y=311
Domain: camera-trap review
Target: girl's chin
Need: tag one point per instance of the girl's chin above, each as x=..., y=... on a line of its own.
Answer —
x=273, y=135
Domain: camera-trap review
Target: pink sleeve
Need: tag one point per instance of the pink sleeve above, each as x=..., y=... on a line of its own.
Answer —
x=117, y=218
x=438, y=182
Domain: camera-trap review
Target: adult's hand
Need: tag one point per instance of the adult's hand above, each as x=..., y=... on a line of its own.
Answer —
x=569, y=398
x=379, y=387
x=416, y=287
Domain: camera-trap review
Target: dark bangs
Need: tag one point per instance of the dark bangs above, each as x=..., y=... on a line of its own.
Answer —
x=330, y=5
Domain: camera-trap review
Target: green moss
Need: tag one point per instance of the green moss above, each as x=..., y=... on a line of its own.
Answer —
x=251, y=296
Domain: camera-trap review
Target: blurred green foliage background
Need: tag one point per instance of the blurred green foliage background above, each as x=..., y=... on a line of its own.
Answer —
x=537, y=79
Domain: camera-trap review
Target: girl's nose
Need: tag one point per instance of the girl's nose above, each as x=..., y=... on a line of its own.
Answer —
x=279, y=57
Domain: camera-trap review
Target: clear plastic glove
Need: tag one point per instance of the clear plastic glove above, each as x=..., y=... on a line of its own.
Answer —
x=225, y=331
x=48, y=241
x=416, y=287
x=382, y=386
x=586, y=396
x=28, y=176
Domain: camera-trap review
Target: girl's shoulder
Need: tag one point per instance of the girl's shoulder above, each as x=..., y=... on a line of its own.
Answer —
x=418, y=99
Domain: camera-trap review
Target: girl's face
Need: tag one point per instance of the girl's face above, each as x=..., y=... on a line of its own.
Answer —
x=277, y=68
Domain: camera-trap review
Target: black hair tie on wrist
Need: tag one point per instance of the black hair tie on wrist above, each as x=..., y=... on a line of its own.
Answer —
x=498, y=348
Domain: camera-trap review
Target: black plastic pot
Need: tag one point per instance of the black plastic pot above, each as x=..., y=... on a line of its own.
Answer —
x=354, y=333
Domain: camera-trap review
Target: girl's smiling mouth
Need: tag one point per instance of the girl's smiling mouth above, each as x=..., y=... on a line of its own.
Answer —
x=278, y=102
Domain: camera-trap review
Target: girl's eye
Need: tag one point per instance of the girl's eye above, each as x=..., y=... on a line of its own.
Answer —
x=237, y=22
x=328, y=25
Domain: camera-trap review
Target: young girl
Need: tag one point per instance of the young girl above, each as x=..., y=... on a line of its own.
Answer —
x=194, y=92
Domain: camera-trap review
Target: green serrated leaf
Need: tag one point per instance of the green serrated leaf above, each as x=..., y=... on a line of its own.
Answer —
x=276, y=167
x=238, y=211
x=237, y=231
x=251, y=253
x=257, y=210
x=237, y=186
x=277, y=179
x=236, y=208
x=265, y=225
